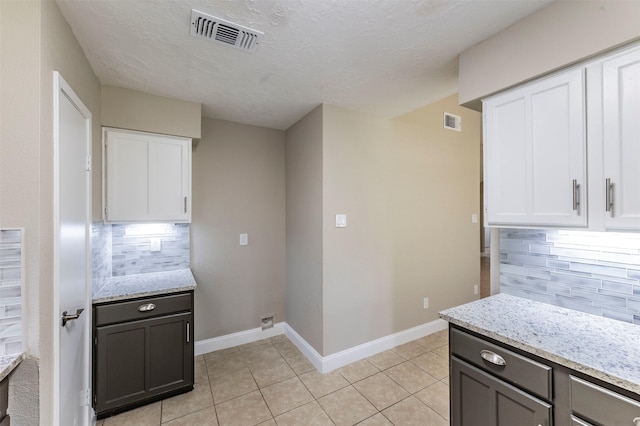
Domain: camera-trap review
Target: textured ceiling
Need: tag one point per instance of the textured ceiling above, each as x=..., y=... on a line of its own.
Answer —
x=386, y=57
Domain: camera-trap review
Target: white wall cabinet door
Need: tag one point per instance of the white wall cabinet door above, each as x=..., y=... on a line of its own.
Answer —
x=147, y=177
x=621, y=140
x=535, y=153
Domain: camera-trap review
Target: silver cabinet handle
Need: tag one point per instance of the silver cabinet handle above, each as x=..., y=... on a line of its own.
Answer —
x=70, y=317
x=609, y=199
x=185, y=204
x=576, y=195
x=188, y=333
x=493, y=358
x=146, y=307
x=636, y=421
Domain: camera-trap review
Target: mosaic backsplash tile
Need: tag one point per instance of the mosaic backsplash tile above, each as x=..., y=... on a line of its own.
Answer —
x=11, y=284
x=132, y=248
x=100, y=255
x=592, y=272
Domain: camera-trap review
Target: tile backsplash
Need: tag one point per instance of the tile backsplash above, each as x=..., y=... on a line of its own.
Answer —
x=119, y=250
x=100, y=255
x=593, y=272
x=11, y=284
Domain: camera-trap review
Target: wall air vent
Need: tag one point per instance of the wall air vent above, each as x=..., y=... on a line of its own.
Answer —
x=224, y=32
x=452, y=122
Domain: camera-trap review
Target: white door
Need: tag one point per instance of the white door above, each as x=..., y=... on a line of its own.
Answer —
x=621, y=112
x=148, y=177
x=72, y=218
x=535, y=153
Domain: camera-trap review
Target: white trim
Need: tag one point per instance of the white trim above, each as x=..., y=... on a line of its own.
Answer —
x=307, y=350
x=327, y=363
x=356, y=353
x=62, y=88
x=236, y=339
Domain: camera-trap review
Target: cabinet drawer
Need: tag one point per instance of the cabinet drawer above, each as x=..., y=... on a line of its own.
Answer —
x=517, y=369
x=141, y=308
x=601, y=405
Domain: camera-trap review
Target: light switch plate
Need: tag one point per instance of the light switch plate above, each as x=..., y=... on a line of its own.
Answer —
x=341, y=221
x=244, y=239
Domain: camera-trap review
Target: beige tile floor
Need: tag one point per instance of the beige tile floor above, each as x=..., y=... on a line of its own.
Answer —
x=270, y=383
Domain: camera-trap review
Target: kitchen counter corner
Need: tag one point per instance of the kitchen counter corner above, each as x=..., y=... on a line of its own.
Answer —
x=8, y=363
x=142, y=285
x=599, y=347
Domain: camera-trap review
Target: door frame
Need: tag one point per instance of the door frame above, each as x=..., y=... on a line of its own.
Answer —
x=62, y=88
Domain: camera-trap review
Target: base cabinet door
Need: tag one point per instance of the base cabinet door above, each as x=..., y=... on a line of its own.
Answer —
x=138, y=360
x=478, y=398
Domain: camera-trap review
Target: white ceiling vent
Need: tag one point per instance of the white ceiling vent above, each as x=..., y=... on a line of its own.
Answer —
x=452, y=122
x=224, y=32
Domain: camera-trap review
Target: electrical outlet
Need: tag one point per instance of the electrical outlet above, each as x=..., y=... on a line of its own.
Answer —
x=267, y=321
x=425, y=303
x=475, y=289
x=156, y=244
x=244, y=239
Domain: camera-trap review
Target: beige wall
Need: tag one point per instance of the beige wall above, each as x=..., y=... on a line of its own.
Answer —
x=133, y=110
x=409, y=188
x=304, y=227
x=35, y=40
x=20, y=143
x=238, y=187
x=560, y=34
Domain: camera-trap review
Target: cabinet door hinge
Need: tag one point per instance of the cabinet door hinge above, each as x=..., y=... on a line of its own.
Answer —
x=88, y=163
x=106, y=211
x=86, y=399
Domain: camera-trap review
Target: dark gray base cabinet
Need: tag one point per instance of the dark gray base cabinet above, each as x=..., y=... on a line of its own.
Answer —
x=5, y=420
x=479, y=398
x=143, y=351
x=495, y=384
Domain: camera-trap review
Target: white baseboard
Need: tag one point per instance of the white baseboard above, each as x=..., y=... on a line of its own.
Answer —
x=327, y=363
x=356, y=353
x=307, y=350
x=236, y=339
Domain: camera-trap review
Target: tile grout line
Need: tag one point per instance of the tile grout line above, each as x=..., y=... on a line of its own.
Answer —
x=281, y=350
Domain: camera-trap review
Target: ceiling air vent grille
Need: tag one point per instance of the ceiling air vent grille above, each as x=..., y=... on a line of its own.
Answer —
x=224, y=32
x=452, y=122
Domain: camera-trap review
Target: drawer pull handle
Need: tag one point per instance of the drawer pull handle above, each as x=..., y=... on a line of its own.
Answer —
x=608, y=204
x=146, y=307
x=636, y=421
x=493, y=358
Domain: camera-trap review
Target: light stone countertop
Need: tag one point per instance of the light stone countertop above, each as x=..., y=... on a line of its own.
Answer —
x=8, y=363
x=603, y=348
x=142, y=285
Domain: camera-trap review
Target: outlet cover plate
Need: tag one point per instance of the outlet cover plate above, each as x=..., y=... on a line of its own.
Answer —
x=156, y=244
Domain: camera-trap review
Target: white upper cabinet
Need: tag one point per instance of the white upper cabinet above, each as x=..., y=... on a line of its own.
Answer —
x=535, y=153
x=621, y=140
x=147, y=177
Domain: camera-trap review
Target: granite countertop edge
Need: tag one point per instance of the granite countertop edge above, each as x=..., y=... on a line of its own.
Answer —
x=143, y=285
x=8, y=363
x=567, y=342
